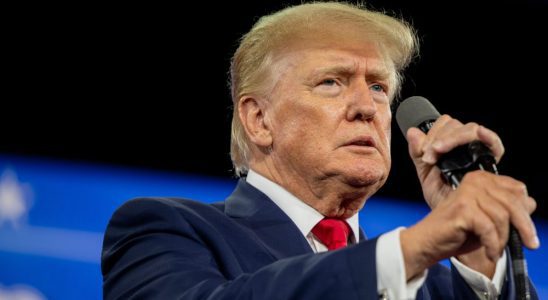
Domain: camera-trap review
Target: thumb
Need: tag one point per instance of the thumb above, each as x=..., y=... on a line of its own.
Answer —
x=416, y=139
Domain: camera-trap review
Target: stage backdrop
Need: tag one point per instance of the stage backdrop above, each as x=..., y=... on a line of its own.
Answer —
x=53, y=215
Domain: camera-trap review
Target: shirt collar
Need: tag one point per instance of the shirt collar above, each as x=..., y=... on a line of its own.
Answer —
x=303, y=215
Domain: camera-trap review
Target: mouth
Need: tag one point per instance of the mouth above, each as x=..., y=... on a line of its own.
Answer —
x=362, y=141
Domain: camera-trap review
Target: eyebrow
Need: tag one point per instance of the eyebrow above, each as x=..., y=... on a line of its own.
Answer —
x=379, y=73
x=339, y=69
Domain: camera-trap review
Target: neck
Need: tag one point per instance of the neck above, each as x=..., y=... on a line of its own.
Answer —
x=331, y=195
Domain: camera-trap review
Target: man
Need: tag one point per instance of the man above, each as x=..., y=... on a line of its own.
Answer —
x=312, y=87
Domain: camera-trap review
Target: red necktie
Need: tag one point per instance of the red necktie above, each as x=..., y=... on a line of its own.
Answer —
x=333, y=233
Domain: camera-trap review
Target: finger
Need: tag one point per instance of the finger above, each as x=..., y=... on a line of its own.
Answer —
x=415, y=139
x=500, y=217
x=492, y=141
x=456, y=136
x=460, y=135
x=487, y=233
x=526, y=228
x=513, y=199
x=439, y=124
x=518, y=189
x=432, y=132
x=444, y=124
x=418, y=140
x=530, y=204
x=486, y=220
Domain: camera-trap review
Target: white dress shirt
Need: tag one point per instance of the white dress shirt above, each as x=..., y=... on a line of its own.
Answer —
x=391, y=277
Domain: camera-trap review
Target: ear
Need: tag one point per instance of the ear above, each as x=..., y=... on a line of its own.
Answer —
x=252, y=115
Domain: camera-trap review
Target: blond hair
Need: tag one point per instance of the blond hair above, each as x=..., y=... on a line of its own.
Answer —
x=249, y=70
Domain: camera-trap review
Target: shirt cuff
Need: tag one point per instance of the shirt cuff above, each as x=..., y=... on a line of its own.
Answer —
x=391, y=277
x=483, y=286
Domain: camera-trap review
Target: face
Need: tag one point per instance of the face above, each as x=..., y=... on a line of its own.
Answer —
x=330, y=116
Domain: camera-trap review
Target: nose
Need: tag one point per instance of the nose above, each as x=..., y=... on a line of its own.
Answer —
x=361, y=105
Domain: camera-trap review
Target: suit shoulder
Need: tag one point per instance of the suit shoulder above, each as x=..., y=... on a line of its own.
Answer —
x=154, y=211
x=158, y=214
x=167, y=203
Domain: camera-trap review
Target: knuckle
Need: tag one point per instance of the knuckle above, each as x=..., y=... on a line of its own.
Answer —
x=531, y=204
x=454, y=122
x=506, y=179
x=519, y=188
x=460, y=205
x=503, y=216
x=512, y=185
x=474, y=176
x=445, y=117
x=473, y=125
x=488, y=229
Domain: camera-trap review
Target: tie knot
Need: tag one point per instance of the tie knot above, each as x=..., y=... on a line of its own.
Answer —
x=333, y=233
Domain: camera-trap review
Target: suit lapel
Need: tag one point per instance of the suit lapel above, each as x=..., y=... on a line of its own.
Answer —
x=272, y=227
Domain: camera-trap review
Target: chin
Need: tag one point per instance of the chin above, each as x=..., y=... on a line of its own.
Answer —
x=366, y=180
x=342, y=213
x=366, y=175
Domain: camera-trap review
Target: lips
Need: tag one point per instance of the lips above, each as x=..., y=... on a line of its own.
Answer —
x=363, y=141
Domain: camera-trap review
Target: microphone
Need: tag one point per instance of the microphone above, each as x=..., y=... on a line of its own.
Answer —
x=418, y=112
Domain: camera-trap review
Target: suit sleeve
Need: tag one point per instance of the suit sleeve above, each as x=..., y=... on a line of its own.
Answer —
x=151, y=252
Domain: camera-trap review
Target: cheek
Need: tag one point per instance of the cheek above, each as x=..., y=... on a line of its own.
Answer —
x=300, y=131
x=387, y=121
x=388, y=137
x=384, y=128
x=302, y=127
x=385, y=135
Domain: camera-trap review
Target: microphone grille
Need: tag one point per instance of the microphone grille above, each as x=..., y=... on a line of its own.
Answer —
x=413, y=111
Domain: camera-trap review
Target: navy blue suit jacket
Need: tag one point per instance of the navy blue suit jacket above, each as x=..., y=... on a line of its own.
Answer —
x=243, y=248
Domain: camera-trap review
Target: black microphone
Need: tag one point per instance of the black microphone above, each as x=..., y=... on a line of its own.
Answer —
x=418, y=112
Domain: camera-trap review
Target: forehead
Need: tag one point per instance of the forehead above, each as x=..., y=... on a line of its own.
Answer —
x=306, y=59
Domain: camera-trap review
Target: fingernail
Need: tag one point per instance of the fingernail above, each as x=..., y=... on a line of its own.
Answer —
x=536, y=242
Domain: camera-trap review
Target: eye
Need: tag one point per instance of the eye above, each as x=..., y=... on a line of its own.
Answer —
x=328, y=82
x=329, y=87
x=379, y=92
x=377, y=88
